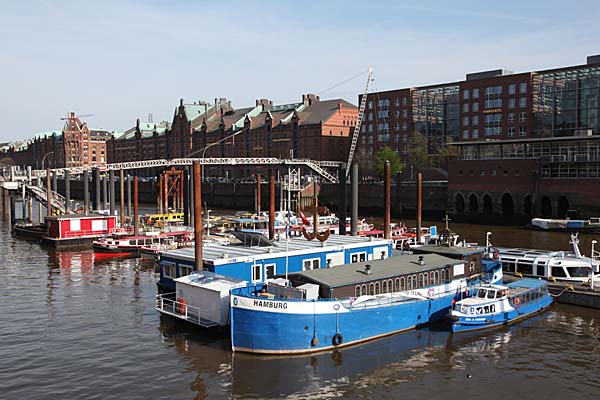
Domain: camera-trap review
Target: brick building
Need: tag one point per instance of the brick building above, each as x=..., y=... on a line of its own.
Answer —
x=312, y=128
x=528, y=143
x=75, y=146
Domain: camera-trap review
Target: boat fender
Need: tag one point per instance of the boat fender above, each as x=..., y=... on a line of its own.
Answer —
x=180, y=306
x=315, y=341
x=337, y=339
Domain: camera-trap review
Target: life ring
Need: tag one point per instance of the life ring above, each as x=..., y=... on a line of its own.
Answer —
x=337, y=339
x=180, y=306
x=430, y=292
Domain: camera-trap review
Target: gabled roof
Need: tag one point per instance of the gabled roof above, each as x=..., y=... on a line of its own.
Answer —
x=321, y=111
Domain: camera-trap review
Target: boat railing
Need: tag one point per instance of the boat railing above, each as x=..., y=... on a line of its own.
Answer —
x=167, y=304
x=72, y=234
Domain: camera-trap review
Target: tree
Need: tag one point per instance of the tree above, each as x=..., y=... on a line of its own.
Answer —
x=387, y=154
x=445, y=153
x=418, y=152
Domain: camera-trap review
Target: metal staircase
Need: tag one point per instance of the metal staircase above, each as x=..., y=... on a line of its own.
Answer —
x=361, y=114
x=58, y=201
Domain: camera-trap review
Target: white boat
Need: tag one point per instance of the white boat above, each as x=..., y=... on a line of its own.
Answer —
x=559, y=265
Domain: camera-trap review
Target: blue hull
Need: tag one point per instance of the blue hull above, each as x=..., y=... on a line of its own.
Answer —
x=273, y=332
x=474, y=323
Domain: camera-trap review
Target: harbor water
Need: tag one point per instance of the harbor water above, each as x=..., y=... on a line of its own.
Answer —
x=77, y=327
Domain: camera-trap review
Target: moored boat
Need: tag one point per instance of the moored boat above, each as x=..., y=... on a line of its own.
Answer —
x=495, y=305
x=324, y=309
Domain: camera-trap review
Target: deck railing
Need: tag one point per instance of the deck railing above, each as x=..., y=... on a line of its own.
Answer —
x=166, y=304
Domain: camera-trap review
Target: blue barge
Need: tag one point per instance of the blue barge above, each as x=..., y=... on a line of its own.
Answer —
x=256, y=264
x=330, y=308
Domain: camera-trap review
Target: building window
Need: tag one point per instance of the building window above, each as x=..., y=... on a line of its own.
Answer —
x=370, y=117
x=523, y=102
x=466, y=94
x=493, y=124
x=481, y=172
x=511, y=131
x=522, y=131
x=404, y=113
x=397, y=102
x=465, y=121
x=493, y=97
x=404, y=126
x=523, y=87
x=465, y=107
x=370, y=105
x=522, y=116
x=512, y=88
x=476, y=93
x=475, y=120
x=465, y=133
x=370, y=139
x=511, y=103
x=475, y=134
x=397, y=114
x=370, y=128
x=511, y=117
x=476, y=106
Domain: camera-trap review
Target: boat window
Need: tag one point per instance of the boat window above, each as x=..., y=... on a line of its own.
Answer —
x=371, y=288
x=310, y=264
x=491, y=294
x=447, y=274
x=525, y=267
x=420, y=280
x=185, y=270
x=559, y=272
x=399, y=284
x=256, y=273
x=377, y=288
x=384, y=287
x=437, y=277
x=443, y=273
x=409, y=283
x=133, y=242
x=270, y=270
x=363, y=289
x=357, y=291
x=169, y=270
x=508, y=266
x=492, y=308
x=414, y=281
x=432, y=280
x=471, y=266
x=481, y=293
x=578, y=272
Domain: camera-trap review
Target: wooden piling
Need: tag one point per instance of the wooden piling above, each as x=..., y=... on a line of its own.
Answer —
x=271, y=207
x=419, y=204
x=197, y=217
x=48, y=194
x=122, y=196
x=136, y=219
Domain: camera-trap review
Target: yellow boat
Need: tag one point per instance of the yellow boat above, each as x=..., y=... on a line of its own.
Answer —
x=163, y=219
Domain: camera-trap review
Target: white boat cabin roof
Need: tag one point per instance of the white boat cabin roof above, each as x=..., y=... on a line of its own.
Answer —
x=217, y=254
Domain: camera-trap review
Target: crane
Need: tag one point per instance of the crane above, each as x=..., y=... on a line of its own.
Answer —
x=361, y=114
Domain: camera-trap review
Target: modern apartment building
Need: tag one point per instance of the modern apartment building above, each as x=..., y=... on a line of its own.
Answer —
x=528, y=143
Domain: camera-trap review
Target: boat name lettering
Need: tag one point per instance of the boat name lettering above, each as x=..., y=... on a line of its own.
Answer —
x=270, y=304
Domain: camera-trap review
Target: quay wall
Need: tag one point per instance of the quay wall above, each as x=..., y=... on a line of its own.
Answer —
x=240, y=196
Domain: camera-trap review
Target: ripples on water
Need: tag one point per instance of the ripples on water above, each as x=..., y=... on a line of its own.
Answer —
x=76, y=327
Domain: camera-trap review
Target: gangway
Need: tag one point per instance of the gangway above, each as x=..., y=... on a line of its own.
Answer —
x=58, y=201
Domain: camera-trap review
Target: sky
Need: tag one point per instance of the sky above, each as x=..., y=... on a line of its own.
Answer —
x=121, y=60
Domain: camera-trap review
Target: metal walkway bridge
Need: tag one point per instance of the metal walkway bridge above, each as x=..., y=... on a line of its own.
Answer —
x=317, y=166
x=58, y=201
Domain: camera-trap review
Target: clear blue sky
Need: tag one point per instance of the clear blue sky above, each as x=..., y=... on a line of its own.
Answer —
x=120, y=60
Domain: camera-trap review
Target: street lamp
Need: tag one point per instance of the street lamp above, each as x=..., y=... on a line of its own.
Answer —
x=208, y=146
x=44, y=158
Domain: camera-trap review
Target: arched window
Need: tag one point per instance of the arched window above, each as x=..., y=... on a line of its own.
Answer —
x=377, y=288
x=357, y=291
x=425, y=279
x=421, y=281
x=384, y=287
x=409, y=283
x=432, y=280
x=363, y=290
x=371, y=288
x=391, y=285
x=402, y=283
x=437, y=276
x=414, y=281
x=398, y=284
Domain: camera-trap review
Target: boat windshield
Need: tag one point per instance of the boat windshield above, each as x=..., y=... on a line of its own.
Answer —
x=579, y=272
x=481, y=293
x=491, y=294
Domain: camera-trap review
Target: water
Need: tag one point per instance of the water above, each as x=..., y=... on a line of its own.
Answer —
x=73, y=326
